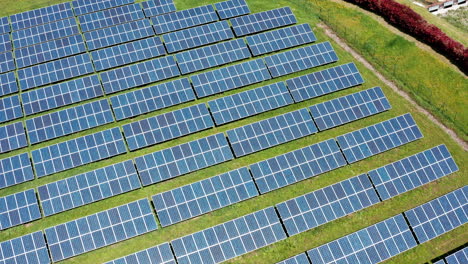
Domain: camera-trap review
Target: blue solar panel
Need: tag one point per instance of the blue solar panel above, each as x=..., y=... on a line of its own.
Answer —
x=271, y=132
x=213, y=55
x=55, y=71
x=375, y=139
x=262, y=21
x=41, y=16
x=372, y=244
x=230, y=239
x=139, y=74
x=231, y=77
x=48, y=51
x=58, y=95
x=99, y=230
x=30, y=248
x=298, y=259
x=88, y=6
x=167, y=126
x=88, y=187
x=459, y=257
x=158, y=7
x=232, y=8
x=15, y=170
x=324, y=82
x=237, y=106
x=8, y=83
x=184, y=19
x=300, y=59
x=78, y=151
x=327, y=204
x=411, y=172
x=69, y=121
x=111, y=17
x=4, y=25
x=280, y=39
x=160, y=254
x=7, y=62
x=197, y=36
x=5, y=43
x=10, y=108
x=442, y=261
x=349, y=108
x=152, y=98
x=110, y=36
x=18, y=208
x=12, y=137
x=297, y=165
x=204, y=196
x=440, y=215
x=175, y=161
x=127, y=53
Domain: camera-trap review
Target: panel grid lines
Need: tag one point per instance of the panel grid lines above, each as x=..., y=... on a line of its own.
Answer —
x=41, y=16
x=458, y=257
x=18, y=208
x=5, y=43
x=4, y=25
x=184, y=19
x=111, y=17
x=232, y=8
x=10, y=108
x=30, y=248
x=160, y=254
x=88, y=6
x=298, y=259
x=15, y=170
x=7, y=63
x=262, y=21
x=8, y=84
x=12, y=137
x=158, y=7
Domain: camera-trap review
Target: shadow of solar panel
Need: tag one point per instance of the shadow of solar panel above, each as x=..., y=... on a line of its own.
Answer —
x=324, y=82
x=7, y=62
x=204, y=196
x=158, y=7
x=411, y=172
x=271, y=132
x=88, y=187
x=10, y=108
x=230, y=239
x=41, y=16
x=111, y=17
x=182, y=159
x=4, y=25
x=184, y=19
x=160, y=254
x=327, y=204
x=349, y=108
x=373, y=244
x=440, y=215
x=8, y=83
x=231, y=77
x=152, y=98
x=297, y=165
x=298, y=259
x=18, y=208
x=232, y=8
x=262, y=21
x=99, y=230
x=300, y=59
x=30, y=248
x=12, y=137
x=88, y=6
x=78, y=151
x=15, y=170
x=458, y=257
x=5, y=43
x=375, y=139
x=167, y=126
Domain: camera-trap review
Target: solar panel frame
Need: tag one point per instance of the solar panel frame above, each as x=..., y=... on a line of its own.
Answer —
x=7, y=63
x=10, y=108
x=258, y=22
x=8, y=84
x=41, y=16
x=82, y=7
x=5, y=43
x=12, y=137
x=111, y=17
x=298, y=259
x=459, y=257
x=30, y=248
x=232, y=8
x=158, y=7
x=4, y=25
x=15, y=170
x=184, y=19
x=18, y=208
x=160, y=254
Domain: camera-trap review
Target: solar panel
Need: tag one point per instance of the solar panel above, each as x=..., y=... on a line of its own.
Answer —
x=442, y=261
x=88, y=187
x=184, y=19
x=5, y=43
x=271, y=132
x=99, y=230
x=280, y=39
x=8, y=83
x=55, y=71
x=62, y=94
x=297, y=165
x=298, y=259
x=18, y=208
x=204, y=196
x=237, y=106
x=7, y=62
x=127, y=53
x=30, y=248
x=4, y=25
x=111, y=17
x=440, y=215
x=160, y=254
x=327, y=204
x=47, y=32
x=88, y=6
x=411, y=172
x=10, y=108
x=458, y=257
x=48, y=51
x=372, y=244
x=231, y=77
x=12, y=137
x=139, y=74
x=197, y=36
x=300, y=59
x=230, y=239
x=232, y=8
x=69, y=121
x=15, y=170
x=375, y=139
x=324, y=82
x=213, y=55
x=164, y=127
x=349, y=108
x=78, y=151
x=152, y=98
x=158, y=7
x=41, y=16
x=175, y=161
x=110, y=36
x=262, y=21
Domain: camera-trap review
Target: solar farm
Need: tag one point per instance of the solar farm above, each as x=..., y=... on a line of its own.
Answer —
x=235, y=132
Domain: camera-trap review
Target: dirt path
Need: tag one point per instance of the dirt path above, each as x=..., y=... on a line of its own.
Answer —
x=330, y=33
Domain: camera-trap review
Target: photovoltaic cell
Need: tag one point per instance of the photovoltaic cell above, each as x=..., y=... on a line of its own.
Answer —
x=5, y=43
x=88, y=6
x=458, y=257
x=184, y=19
x=111, y=17
x=160, y=254
x=262, y=21
x=4, y=25
x=158, y=7
x=375, y=139
x=18, y=208
x=10, y=108
x=30, y=248
x=7, y=62
x=232, y=8
x=298, y=259
x=15, y=170
x=41, y=16
x=12, y=137
x=8, y=83
x=297, y=165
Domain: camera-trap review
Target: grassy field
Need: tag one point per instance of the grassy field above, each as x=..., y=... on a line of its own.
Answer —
x=458, y=18
x=433, y=136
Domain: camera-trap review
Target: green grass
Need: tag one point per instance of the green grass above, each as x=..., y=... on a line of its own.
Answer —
x=433, y=136
x=458, y=18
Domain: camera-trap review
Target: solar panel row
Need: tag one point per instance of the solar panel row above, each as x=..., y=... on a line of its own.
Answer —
x=88, y=6
x=160, y=254
x=18, y=208
x=458, y=257
x=298, y=259
x=10, y=108
x=184, y=19
x=4, y=25
x=158, y=7
x=232, y=8
x=12, y=137
x=262, y=21
x=8, y=83
x=5, y=43
x=111, y=17
x=15, y=169
x=30, y=248
x=7, y=62
x=41, y=16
